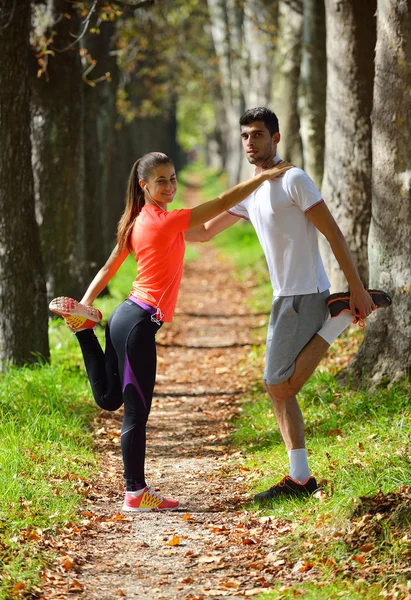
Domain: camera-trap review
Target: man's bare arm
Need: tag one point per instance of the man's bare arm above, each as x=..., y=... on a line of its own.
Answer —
x=204, y=233
x=321, y=217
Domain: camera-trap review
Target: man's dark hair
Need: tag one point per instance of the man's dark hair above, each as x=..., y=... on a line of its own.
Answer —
x=261, y=113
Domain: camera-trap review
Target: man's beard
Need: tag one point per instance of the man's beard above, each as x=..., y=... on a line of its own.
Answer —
x=260, y=160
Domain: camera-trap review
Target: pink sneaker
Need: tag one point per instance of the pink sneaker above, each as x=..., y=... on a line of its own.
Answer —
x=77, y=316
x=148, y=499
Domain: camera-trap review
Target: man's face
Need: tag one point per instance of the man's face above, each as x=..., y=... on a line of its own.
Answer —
x=259, y=146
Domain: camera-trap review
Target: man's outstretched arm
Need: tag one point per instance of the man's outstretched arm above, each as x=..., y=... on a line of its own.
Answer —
x=321, y=217
x=206, y=232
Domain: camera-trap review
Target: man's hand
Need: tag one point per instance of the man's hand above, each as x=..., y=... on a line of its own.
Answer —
x=361, y=302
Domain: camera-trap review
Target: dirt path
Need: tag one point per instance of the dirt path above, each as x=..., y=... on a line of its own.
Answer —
x=211, y=547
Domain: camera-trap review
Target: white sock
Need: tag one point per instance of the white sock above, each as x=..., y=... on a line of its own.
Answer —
x=299, y=470
x=335, y=326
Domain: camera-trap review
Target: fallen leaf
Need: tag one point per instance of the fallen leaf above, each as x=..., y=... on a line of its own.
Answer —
x=248, y=541
x=334, y=432
x=186, y=580
x=306, y=566
x=67, y=564
x=359, y=559
x=234, y=585
x=210, y=559
x=75, y=586
x=366, y=547
x=187, y=517
x=174, y=541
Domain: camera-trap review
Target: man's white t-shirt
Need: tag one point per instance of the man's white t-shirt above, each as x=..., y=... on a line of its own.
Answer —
x=288, y=237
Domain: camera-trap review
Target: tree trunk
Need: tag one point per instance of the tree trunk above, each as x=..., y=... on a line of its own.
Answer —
x=259, y=43
x=104, y=119
x=347, y=170
x=386, y=351
x=23, y=308
x=226, y=29
x=312, y=91
x=244, y=36
x=58, y=159
x=99, y=124
x=286, y=80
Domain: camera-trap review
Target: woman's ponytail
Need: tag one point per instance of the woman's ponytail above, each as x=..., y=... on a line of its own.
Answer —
x=134, y=203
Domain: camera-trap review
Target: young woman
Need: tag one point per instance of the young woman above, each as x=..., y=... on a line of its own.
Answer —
x=125, y=372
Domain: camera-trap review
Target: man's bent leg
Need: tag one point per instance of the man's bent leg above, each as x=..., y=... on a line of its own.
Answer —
x=305, y=364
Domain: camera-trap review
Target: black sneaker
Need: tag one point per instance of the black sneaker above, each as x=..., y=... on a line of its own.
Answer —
x=288, y=487
x=339, y=302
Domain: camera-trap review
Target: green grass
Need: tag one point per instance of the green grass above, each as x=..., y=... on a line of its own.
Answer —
x=358, y=445
x=45, y=460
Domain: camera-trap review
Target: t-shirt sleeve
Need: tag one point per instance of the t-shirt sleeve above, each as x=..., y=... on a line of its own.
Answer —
x=239, y=210
x=302, y=190
x=174, y=221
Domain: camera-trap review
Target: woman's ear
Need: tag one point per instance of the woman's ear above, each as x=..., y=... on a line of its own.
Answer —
x=142, y=184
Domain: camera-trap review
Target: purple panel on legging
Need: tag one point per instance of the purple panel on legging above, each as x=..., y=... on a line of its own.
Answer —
x=130, y=378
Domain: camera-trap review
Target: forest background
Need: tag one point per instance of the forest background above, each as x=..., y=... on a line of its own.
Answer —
x=87, y=87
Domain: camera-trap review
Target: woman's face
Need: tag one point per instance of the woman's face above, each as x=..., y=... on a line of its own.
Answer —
x=161, y=184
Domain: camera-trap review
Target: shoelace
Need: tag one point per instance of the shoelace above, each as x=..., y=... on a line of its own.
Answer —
x=281, y=483
x=359, y=321
x=153, y=493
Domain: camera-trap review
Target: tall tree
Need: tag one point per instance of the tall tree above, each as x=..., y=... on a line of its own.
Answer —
x=386, y=351
x=100, y=117
x=351, y=35
x=58, y=156
x=286, y=79
x=244, y=36
x=226, y=30
x=23, y=308
x=259, y=44
x=312, y=91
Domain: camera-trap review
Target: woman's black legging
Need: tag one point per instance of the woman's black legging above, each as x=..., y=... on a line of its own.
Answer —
x=125, y=373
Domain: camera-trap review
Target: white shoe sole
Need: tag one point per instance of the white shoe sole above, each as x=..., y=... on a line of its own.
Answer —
x=68, y=307
x=131, y=509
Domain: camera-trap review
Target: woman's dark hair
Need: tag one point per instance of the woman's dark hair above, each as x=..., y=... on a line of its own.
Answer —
x=261, y=113
x=135, y=200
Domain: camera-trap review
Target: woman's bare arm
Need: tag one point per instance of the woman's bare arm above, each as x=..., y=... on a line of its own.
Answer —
x=207, y=211
x=105, y=274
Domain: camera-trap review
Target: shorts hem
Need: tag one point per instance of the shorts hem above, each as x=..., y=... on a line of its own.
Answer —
x=280, y=379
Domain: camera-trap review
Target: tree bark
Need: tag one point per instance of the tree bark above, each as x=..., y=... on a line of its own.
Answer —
x=347, y=170
x=386, y=351
x=312, y=91
x=58, y=159
x=286, y=80
x=99, y=128
x=259, y=44
x=226, y=29
x=244, y=36
x=23, y=308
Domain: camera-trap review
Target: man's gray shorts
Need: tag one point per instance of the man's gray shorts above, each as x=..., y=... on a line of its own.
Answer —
x=293, y=322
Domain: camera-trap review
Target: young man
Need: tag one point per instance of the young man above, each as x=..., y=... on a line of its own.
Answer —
x=286, y=214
